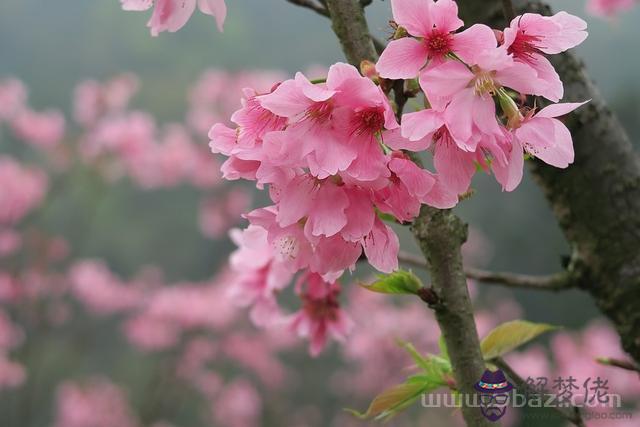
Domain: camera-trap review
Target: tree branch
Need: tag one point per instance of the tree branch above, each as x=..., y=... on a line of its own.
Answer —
x=571, y=413
x=310, y=4
x=350, y=25
x=439, y=232
x=553, y=282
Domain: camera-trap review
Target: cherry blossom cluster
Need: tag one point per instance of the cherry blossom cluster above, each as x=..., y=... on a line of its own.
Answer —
x=337, y=158
x=464, y=75
x=40, y=129
x=326, y=151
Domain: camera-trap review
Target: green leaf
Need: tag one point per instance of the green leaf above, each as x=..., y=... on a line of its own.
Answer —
x=444, y=352
x=398, y=282
x=436, y=369
x=391, y=401
x=510, y=335
x=422, y=362
x=436, y=373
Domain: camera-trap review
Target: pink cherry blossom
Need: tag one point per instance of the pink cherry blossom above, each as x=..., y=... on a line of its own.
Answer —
x=13, y=97
x=239, y=405
x=22, y=190
x=41, y=129
x=95, y=403
x=257, y=275
x=325, y=150
x=433, y=24
x=543, y=136
x=92, y=99
x=320, y=316
x=100, y=290
x=171, y=15
x=530, y=36
x=609, y=8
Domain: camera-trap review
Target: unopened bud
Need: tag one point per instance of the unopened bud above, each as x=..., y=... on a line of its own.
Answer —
x=368, y=69
x=509, y=108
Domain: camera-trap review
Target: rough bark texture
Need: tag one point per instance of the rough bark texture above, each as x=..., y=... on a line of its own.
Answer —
x=352, y=31
x=440, y=235
x=597, y=199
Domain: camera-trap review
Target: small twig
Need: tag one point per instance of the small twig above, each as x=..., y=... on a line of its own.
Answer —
x=509, y=11
x=571, y=413
x=311, y=4
x=553, y=282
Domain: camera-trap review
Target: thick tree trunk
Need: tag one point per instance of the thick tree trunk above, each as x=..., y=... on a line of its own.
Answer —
x=597, y=199
x=440, y=235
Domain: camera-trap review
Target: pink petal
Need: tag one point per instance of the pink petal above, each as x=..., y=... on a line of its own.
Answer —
x=417, y=180
x=510, y=175
x=413, y=15
x=360, y=215
x=339, y=73
x=441, y=196
x=473, y=41
x=419, y=125
x=445, y=15
x=445, y=80
x=571, y=34
x=394, y=139
x=402, y=59
x=381, y=247
x=136, y=5
x=536, y=135
x=557, y=110
x=554, y=90
x=287, y=100
x=170, y=15
x=216, y=8
x=334, y=254
x=223, y=139
x=521, y=78
x=315, y=92
x=459, y=116
x=455, y=167
x=296, y=201
x=327, y=215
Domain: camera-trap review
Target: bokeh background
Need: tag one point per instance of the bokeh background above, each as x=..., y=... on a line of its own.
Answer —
x=51, y=46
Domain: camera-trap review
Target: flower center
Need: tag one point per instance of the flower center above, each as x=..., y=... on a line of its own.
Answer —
x=368, y=121
x=326, y=308
x=484, y=84
x=259, y=120
x=319, y=111
x=438, y=43
x=525, y=46
x=288, y=247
